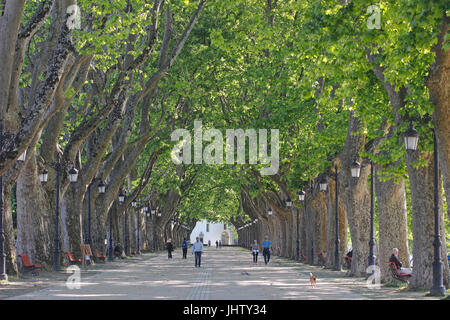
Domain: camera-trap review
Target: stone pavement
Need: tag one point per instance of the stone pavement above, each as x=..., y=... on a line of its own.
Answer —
x=226, y=274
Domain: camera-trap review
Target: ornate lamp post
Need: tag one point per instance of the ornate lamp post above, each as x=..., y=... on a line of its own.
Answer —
x=411, y=140
x=89, y=239
x=289, y=206
x=59, y=166
x=355, y=169
x=301, y=197
x=101, y=190
x=323, y=186
x=121, y=197
x=110, y=246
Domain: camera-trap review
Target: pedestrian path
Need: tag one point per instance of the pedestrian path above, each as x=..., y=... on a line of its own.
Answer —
x=226, y=274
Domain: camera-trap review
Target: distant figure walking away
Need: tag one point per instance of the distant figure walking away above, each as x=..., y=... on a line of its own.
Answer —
x=217, y=244
x=197, y=249
x=209, y=243
x=398, y=264
x=169, y=247
x=220, y=243
x=267, y=245
x=184, y=246
x=255, y=252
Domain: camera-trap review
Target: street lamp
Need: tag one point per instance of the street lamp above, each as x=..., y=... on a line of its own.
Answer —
x=323, y=187
x=89, y=240
x=101, y=188
x=138, y=249
x=288, y=202
x=44, y=176
x=73, y=174
x=411, y=139
x=121, y=198
x=323, y=184
x=59, y=166
x=355, y=169
x=301, y=197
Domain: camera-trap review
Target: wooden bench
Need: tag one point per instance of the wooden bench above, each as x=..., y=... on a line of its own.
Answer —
x=34, y=268
x=397, y=275
x=71, y=260
x=98, y=257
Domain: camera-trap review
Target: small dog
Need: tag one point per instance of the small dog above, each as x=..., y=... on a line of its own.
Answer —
x=312, y=280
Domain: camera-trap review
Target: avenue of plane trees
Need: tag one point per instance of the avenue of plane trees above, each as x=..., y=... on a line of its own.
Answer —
x=99, y=86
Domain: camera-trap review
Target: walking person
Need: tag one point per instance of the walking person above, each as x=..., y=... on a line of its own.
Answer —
x=197, y=249
x=217, y=244
x=184, y=246
x=255, y=252
x=267, y=245
x=169, y=247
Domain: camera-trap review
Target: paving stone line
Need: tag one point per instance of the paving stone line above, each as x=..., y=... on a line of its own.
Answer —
x=200, y=291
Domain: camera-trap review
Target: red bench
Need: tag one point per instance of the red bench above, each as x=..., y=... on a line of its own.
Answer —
x=397, y=275
x=73, y=261
x=98, y=257
x=348, y=262
x=34, y=268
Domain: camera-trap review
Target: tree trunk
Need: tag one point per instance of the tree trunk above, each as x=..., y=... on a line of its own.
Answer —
x=331, y=235
x=356, y=197
x=71, y=214
x=392, y=220
x=438, y=84
x=35, y=217
x=422, y=200
x=8, y=228
x=319, y=206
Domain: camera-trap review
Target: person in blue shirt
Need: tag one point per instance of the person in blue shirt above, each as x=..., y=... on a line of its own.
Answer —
x=266, y=249
x=197, y=249
x=184, y=246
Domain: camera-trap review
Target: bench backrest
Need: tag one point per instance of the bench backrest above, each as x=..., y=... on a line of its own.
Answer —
x=69, y=254
x=393, y=267
x=25, y=260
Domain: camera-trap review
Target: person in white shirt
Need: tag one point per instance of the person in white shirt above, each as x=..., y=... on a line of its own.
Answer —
x=197, y=249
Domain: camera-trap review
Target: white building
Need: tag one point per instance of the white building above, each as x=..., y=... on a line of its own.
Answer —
x=212, y=231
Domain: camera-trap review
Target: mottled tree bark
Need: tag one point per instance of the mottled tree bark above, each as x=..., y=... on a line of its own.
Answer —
x=35, y=216
x=438, y=84
x=422, y=200
x=392, y=220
